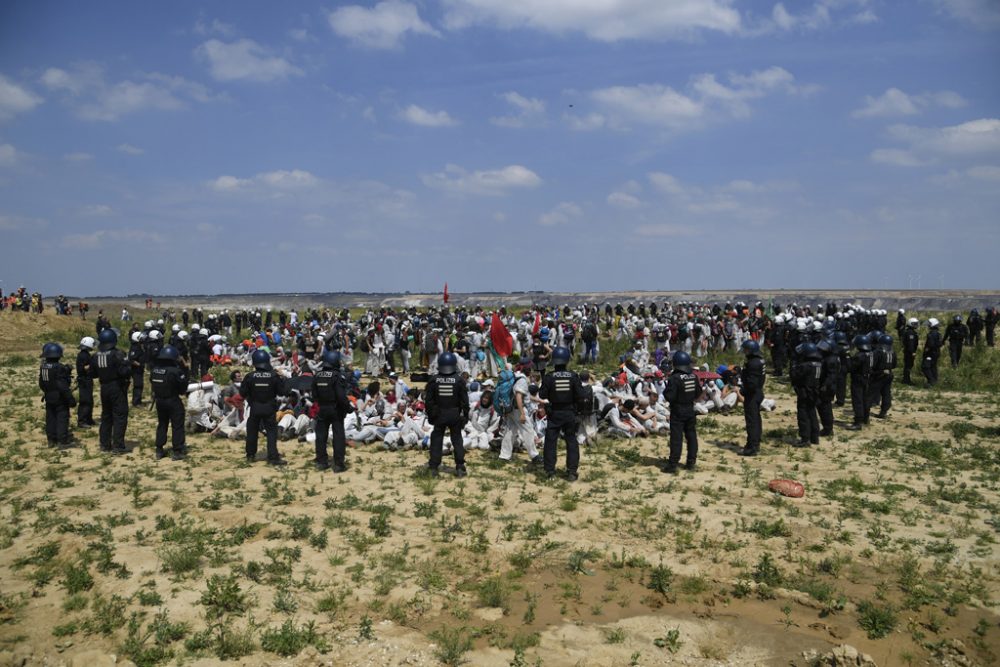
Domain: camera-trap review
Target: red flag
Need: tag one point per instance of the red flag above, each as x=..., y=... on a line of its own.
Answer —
x=503, y=342
x=538, y=324
x=446, y=292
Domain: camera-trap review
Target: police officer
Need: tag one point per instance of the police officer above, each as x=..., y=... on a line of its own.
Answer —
x=85, y=414
x=447, y=402
x=885, y=364
x=955, y=336
x=136, y=360
x=682, y=390
x=777, y=338
x=329, y=390
x=201, y=353
x=932, y=352
x=843, y=352
x=806, y=376
x=111, y=367
x=54, y=380
x=563, y=390
x=829, y=377
x=975, y=327
x=861, y=366
x=911, y=342
x=754, y=374
x=261, y=388
x=990, y=323
x=169, y=381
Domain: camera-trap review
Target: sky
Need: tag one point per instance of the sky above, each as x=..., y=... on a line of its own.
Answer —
x=499, y=145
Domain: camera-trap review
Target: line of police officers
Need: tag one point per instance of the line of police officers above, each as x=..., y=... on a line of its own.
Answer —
x=820, y=366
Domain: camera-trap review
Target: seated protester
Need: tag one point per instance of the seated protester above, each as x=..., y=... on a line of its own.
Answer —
x=297, y=416
x=398, y=385
x=541, y=420
x=475, y=391
x=640, y=355
x=233, y=425
x=615, y=419
x=202, y=414
x=413, y=431
x=483, y=423
x=357, y=430
x=648, y=417
x=766, y=404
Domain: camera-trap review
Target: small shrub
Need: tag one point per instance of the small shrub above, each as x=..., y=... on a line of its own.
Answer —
x=877, y=620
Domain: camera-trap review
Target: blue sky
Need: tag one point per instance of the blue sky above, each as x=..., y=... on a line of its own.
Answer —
x=499, y=145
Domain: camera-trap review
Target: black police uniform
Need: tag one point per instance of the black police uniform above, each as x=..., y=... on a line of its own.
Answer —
x=447, y=400
x=955, y=336
x=862, y=365
x=201, y=353
x=975, y=328
x=806, y=376
x=682, y=390
x=54, y=380
x=885, y=364
x=563, y=389
x=136, y=359
x=990, y=324
x=169, y=383
x=754, y=373
x=778, y=351
x=85, y=412
x=829, y=378
x=329, y=389
x=261, y=388
x=911, y=342
x=843, y=353
x=111, y=367
x=932, y=353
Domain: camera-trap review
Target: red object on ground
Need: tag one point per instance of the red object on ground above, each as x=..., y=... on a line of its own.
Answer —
x=503, y=342
x=787, y=487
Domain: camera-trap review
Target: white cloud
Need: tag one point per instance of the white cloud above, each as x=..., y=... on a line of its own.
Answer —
x=101, y=237
x=129, y=149
x=620, y=199
x=662, y=106
x=94, y=98
x=666, y=183
x=300, y=35
x=494, y=182
x=16, y=223
x=215, y=26
x=985, y=173
x=420, y=116
x=96, y=210
x=984, y=14
x=604, y=20
x=975, y=137
x=244, y=60
x=270, y=180
x=15, y=99
x=78, y=157
x=8, y=155
x=592, y=121
x=896, y=157
x=527, y=110
x=381, y=27
x=821, y=14
x=562, y=214
x=894, y=102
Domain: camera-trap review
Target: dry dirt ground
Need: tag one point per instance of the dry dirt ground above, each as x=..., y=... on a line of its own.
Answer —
x=892, y=550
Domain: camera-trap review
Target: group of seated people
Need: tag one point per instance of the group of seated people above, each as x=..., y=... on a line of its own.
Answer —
x=628, y=404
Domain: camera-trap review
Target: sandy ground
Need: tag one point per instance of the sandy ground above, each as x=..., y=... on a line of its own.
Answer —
x=902, y=514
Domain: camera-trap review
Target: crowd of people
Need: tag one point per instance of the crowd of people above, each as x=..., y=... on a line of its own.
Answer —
x=496, y=380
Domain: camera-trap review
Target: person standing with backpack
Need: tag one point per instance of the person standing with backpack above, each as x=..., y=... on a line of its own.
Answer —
x=510, y=401
x=562, y=389
x=588, y=334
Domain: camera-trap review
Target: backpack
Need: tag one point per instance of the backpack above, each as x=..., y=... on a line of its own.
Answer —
x=586, y=404
x=503, y=398
x=589, y=334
